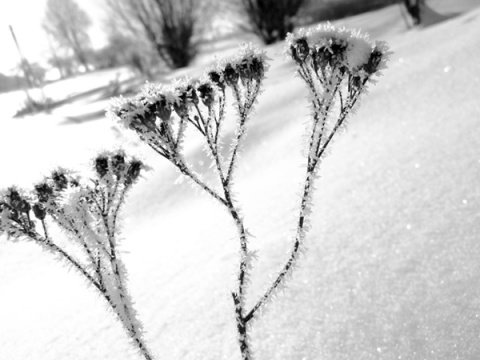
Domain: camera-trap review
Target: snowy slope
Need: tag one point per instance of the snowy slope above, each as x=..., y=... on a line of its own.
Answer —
x=392, y=271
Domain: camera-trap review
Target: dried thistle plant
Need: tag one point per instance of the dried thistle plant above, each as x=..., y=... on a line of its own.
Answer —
x=160, y=115
x=87, y=209
x=336, y=65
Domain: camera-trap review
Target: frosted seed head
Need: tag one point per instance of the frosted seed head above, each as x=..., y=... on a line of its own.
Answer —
x=338, y=48
x=118, y=163
x=384, y=49
x=181, y=109
x=357, y=81
x=133, y=171
x=148, y=118
x=39, y=211
x=101, y=166
x=330, y=52
x=44, y=192
x=192, y=95
x=299, y=50
x=358, y=51
x=164, y=112
x=321, y=58
x=72, y=199
x=246, y=63
x=126, y=111
x=73, y=181
x=230, y=75
x=251, y=68
x=23, y=206
x=257, y=68
x=158, y=100
x=244, y=71
x=186, y=97
x=186, y=92
x=206, y=93
x=163, y=109
x=153, y=93
x=13, y=196
x=216, y=78
x=181, y=106
x=18, y=202
x=60, y=180
x=372, y=66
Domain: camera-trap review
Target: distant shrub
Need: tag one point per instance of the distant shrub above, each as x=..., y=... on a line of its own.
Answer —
x=171, y=27
x=271, y=20
x=414, y=9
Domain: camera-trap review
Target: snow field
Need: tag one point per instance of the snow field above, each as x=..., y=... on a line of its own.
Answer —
x=392, y=271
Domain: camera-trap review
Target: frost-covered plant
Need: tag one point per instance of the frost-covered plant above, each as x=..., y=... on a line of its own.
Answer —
x=87, y=209
x=336, y=65
x=160, y=115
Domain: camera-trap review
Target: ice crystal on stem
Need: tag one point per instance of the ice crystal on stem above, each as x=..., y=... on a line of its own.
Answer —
x=88, y=211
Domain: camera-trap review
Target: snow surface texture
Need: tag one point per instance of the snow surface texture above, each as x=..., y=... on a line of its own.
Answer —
x=392, y=271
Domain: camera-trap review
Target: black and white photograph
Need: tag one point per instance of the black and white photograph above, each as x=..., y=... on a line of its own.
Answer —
x=240, y=180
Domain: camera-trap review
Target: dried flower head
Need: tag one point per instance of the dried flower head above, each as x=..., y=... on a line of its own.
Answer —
x=39, y=210
x=332, y=49
x=101, y=165
x=216, y=77
x=249, y=63
x=15, y=213
x=44, y=191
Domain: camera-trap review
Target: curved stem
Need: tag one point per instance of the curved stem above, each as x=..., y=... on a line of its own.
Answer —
x=186, y=171
x=239, y=295
x=300, y=234
x=243, y=113
x=58, y=250
x=127, y=320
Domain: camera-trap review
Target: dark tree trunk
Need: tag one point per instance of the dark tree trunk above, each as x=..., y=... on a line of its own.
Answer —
x=271, y=20
x=414, y=9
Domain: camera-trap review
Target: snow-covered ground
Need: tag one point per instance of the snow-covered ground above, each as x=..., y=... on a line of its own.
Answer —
x=392, y=270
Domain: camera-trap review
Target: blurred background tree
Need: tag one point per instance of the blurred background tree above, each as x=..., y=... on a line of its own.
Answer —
x=173, y=28
x=126, y=47
x=68, y=24
x=65, y=64
x=34, y=73
x=271, y=20
x=414, y=9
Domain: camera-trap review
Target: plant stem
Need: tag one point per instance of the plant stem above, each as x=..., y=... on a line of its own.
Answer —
x=241, y=329
x=185, y=171
x=239, y=295
x=300, y=234
x=131, y=329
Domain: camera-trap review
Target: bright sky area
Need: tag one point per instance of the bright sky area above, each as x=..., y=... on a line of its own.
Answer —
x=25, y=16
